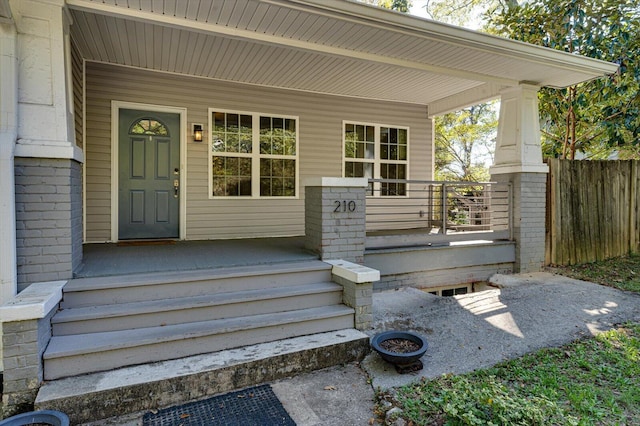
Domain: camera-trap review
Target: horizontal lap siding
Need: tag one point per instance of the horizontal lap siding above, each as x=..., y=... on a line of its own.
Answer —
x=320, y=145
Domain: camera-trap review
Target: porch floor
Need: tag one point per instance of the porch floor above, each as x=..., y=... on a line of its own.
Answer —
x=123, y=259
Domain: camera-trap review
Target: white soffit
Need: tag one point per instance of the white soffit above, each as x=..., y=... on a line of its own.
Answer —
x=326, y=46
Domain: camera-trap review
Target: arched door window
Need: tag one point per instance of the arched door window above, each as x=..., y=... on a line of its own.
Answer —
x=148, y=126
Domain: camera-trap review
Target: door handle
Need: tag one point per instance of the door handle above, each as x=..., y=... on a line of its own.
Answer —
x=176, y=187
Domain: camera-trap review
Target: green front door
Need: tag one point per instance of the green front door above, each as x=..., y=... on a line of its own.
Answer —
x=148, y=175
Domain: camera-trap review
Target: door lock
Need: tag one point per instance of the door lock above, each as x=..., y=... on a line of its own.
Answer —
x=176, y=187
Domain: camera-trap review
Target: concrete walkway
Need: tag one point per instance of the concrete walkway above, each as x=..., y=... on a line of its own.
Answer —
x=467, y=332
x=478, y=330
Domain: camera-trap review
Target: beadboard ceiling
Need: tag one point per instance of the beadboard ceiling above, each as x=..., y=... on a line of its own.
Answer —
x=327, y=46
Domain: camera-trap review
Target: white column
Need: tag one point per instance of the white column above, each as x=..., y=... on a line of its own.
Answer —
x=45, y=112
x=8, y=134
x=518, y=146
x=518, y=161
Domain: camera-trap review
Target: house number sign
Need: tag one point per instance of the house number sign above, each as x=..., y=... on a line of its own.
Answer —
x=343, y=206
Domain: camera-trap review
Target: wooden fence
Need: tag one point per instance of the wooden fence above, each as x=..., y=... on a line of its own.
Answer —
x=593, y=210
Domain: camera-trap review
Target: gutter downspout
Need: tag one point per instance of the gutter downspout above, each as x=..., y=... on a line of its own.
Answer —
x=8, y=137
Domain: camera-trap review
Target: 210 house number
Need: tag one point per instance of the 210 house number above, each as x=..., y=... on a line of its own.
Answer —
x=344, y=206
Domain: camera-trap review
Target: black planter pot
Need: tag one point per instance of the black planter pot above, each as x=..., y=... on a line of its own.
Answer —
x=47, y=417
x=398, y=358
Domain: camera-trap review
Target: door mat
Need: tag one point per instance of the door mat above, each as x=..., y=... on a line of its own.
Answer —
x=145, y=243
x=255, y=406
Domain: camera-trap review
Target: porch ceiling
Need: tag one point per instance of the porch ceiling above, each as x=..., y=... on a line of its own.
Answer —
x=326, y=46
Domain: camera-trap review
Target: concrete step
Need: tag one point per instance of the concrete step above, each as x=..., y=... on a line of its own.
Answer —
x=153, y=313
x=87, y=292
x=87, y=353
x=154, y=386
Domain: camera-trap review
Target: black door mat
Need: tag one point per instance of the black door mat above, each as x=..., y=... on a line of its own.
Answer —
x=257, y=406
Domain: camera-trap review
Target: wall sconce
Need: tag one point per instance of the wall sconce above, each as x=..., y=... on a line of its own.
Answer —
x=197, y=132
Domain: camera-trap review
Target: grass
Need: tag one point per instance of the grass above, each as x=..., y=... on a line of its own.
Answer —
x=621, y=272
x=594, y=381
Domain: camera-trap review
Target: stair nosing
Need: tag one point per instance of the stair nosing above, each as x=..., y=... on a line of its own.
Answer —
x=85, y=313
x=152, y=335
x=156, y=278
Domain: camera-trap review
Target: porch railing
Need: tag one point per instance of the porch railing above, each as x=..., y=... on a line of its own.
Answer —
x=408, y=212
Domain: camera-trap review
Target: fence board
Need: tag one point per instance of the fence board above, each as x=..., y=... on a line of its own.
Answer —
x=593, y=210
x=634, y=216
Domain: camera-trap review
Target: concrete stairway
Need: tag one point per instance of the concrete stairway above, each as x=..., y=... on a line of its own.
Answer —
x=107, y=323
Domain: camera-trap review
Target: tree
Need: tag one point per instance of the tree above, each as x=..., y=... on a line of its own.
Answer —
x=465, y=142
x=398, y=5
x=598, y=116
x=463, y=12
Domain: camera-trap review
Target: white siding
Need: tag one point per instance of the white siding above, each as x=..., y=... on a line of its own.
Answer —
x=320, y=131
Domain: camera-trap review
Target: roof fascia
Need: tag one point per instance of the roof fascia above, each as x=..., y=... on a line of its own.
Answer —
x=209, y=28
x=460, y=36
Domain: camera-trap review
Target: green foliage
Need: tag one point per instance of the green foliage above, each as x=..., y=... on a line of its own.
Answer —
x=589, y=382
x=465, y=142
x=598, y=116
x=621, y=272
x=398, y=5
x=462, y=12
x=461, y=400
x=401, y=5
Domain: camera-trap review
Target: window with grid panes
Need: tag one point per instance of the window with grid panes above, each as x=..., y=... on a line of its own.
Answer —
x=253, y=155
x=377, y=151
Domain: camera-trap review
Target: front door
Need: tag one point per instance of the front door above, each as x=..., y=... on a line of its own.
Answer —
x=149, y=174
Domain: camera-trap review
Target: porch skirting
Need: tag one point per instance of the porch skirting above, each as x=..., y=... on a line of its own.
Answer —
x=428, y=267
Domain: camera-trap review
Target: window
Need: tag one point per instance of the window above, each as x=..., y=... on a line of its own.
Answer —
x=451, y=291
x=253, y=155
x=377, y=151
x=148, y=126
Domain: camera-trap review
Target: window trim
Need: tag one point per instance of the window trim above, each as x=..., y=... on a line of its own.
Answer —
x=376, y=160
x=255, y=155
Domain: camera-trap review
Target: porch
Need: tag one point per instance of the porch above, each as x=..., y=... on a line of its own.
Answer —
x=473, y=241
x=142, y=257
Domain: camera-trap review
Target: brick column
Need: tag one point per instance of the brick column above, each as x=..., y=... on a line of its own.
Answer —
x=357, y=282
x=47, y=161
x=26, y=331
x=518, y=160
x=335, y=220
x=48, y=219
x=528, y=210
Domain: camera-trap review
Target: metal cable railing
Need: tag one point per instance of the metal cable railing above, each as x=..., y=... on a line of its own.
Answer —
x=444, y=208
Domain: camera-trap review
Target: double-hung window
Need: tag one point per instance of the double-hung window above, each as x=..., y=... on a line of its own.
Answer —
x=377, y=151
x=253, y=155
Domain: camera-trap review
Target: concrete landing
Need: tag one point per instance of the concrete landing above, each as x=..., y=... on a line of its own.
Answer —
x=152, y=386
